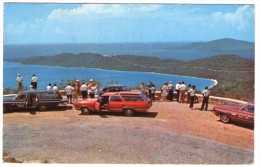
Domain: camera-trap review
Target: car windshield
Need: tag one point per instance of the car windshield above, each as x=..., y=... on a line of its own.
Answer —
x=249, y=108
x=144, y=97
x=13, y=98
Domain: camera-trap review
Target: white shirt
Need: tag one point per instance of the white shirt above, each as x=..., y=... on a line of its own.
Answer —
x=205, y=93
x=183, y=87
x=69, y=90
x=153, y=89
x=19, y=79
x=170, y=86
x=192, y=92
x=34, y=79
x=84, y=87
x=177, y=86
x=55, y=88
x=48, y=88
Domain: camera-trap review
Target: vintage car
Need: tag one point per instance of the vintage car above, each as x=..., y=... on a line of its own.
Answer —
x=40, y=99
x=243, y=113
x=127, y=102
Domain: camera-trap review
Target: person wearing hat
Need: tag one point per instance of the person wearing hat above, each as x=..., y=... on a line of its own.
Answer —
x=170, y=91
x=19, y=81
x=34, y=82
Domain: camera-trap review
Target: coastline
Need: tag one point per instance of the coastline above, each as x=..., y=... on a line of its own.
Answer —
x=102, y=69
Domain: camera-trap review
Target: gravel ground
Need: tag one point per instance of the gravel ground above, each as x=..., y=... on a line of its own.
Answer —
x=170, y=133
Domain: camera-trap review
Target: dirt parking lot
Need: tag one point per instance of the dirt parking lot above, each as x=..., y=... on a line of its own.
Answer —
x=170, y=133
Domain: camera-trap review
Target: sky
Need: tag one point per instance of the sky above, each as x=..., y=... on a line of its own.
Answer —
x=40, y=23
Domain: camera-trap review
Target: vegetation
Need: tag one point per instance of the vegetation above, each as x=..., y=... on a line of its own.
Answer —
x=235, y=75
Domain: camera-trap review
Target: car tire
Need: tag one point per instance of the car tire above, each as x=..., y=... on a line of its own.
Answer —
x=85, y=111
x=42, y=107
x=129, y=112
x=224, y=118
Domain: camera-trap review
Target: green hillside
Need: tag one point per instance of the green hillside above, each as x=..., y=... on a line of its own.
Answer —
x=235, y=74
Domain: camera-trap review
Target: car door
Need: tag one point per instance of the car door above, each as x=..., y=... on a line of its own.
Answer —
x=116, y=103
x=32, y=100
x=20, y=102
x=248, y=114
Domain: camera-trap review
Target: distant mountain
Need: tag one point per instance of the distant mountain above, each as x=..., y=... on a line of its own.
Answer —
x=222, y=46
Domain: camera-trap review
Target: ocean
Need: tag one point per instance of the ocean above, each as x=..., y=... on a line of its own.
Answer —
x=53, y=74
x=161, y=50
x=48, y=74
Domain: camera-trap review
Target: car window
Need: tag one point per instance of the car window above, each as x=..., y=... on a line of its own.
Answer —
x=133, y=98
x=249, y=108
x=48, y=95
x=117, y=89
x=115, y=98
x=21, y=97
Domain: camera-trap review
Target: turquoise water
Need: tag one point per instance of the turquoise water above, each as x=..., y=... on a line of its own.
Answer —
x=52, y=74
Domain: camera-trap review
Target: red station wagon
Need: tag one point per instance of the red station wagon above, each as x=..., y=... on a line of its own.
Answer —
x=238, y=113
x=127, y=102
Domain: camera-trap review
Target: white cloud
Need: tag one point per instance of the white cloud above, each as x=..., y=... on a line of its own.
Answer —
x=240, y=19
x=88, y=10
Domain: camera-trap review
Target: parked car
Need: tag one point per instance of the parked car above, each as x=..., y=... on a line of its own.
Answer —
x=40, y=99
x=113, y=88
x=127, y=102
x=237, y=113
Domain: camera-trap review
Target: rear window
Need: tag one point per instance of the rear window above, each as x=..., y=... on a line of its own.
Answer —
x=48, y=95
x=133, y=98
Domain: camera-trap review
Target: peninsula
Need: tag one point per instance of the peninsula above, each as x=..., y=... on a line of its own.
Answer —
x=235, y=75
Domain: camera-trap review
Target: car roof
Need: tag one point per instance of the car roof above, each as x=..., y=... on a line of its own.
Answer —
x=109, y=86
x=38, y=91
x=121, y=93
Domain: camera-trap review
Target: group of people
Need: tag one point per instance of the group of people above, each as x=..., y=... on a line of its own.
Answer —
x=92, y=90
x=33, y=84
x=73, y=91
x=182, y=92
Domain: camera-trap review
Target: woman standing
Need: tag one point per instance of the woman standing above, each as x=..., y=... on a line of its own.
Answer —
x=164, y=90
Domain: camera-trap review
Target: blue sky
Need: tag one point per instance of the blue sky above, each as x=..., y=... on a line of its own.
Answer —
x=112, y=23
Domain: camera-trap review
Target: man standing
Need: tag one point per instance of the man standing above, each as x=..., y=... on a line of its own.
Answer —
x=84, y=90
x=150, y=85
x=205, y=94
x=49, y=88
x=182, y=92
x=34, y=82
x=192, y=95
x=170, y=89
x=69, y=90
x=19, y=81
x=177, y=89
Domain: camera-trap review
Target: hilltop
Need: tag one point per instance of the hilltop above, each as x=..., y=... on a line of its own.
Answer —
x=234, y=73
x=222, y=46
x=183, y=51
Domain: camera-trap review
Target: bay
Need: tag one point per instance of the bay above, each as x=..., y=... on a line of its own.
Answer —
x=54, y=74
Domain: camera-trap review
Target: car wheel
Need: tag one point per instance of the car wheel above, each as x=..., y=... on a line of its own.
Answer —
x=42, y=107
x=85, y=110
x=129, y=112
x=224, y=118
